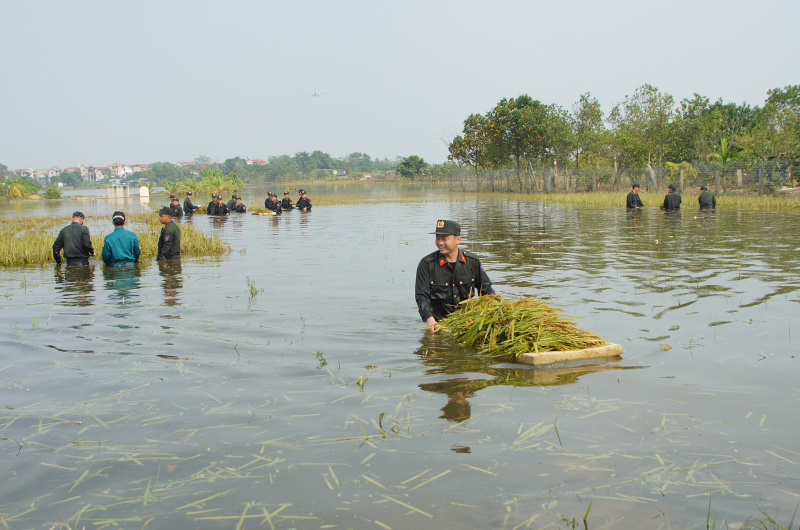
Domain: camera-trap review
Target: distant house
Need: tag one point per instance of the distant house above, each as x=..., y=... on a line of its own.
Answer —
x=95, y=173
x=26, y=172
x=250, y=161
x=184, y=164
x=140, y=167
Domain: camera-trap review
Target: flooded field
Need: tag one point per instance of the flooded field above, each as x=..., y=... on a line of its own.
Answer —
x=289, y=384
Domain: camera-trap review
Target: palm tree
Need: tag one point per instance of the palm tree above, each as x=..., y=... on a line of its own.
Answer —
x=17, y=187
x=723, y=156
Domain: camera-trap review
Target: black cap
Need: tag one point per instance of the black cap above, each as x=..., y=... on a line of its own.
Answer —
x=118, y=216
x=213, y=195
x=301, y=191
x=237, y=197
x=704, y=187
x=233, y=196
x=188, y=193
x=635, y=185
x=444, y=228
x=286, y=193
x=171, y=197
x=165, y=210
x=672, y=187
x=78, y=214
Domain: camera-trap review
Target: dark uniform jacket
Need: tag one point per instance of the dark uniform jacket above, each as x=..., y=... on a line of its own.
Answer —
x=230, y=204
x=303, y=203
x=188, y=207
x=219, y=208
x=76, y=242
x=634, y=201
x=440, y=286
x=672, y=201
x=239, y=208
x=177, y=211
x=169, y=242
x=274, y=206
x=286, y=204
x=707, y=200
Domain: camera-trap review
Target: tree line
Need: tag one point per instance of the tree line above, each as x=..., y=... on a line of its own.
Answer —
x=647, y=128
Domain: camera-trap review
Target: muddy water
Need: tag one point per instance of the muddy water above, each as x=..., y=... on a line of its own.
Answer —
x=289, y=384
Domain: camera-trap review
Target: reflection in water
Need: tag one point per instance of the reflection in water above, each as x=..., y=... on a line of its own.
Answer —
x=218, y=221
x=172, y=280
x=75, y=284
x=122, y=284
x=443, y=356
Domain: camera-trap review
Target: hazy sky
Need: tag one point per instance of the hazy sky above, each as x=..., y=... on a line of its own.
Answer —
x=96, y=82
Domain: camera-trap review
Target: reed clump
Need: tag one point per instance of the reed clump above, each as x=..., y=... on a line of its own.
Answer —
x=503, y=327
x=262, y=211
x=29, y=240
x=201, y=209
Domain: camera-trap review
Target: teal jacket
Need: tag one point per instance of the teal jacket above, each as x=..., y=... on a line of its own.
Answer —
x=120, y=245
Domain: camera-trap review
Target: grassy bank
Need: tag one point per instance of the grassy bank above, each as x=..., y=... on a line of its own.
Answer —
x=29, y=240
x=617, y=199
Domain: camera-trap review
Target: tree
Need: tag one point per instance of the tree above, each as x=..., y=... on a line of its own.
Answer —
x=647, y=119
x=411, y=166
x=516, y=129
x=587, y=127
x=232, y=164
x=777, y=135
x=471, y=148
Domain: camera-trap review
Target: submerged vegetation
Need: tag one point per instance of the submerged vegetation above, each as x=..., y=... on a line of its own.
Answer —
x=512, y=327
x=29, y=240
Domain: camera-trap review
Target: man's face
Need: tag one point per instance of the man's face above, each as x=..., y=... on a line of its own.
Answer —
x=448, y=243
x=238, y=201
x=164, y=218
x=636, y=190
x=285, y=195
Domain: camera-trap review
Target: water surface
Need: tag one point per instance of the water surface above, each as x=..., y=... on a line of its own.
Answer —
x=289, y=382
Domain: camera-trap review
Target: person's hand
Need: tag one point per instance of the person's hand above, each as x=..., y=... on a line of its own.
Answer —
x=433, y=326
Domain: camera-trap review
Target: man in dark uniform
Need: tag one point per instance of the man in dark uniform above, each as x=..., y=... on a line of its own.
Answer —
x=672, y=201
x=74, y=239
x=212, y=206
x=286, y=203
x=272, y=203
x=239, y=206
x=188, y=207
x=706, y=198
x=175, y=206
x=231, y=202
x=634, y=200
x=169, y=241
x=303, y=203
x=448, y=276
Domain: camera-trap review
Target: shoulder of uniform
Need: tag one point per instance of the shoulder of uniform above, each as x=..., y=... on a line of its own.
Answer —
x=430, y=257
x=469, y=254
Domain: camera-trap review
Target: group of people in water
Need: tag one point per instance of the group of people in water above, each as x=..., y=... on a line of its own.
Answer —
x=121, y=247
x=217, y=206
x=672, y=200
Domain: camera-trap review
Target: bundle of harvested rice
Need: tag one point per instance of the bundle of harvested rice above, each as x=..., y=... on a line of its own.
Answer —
x=510, y=328
x=262, y=211
x=201, y=209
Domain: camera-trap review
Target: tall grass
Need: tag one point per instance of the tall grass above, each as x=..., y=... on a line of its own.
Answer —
x=29, y=240
x=617, y=199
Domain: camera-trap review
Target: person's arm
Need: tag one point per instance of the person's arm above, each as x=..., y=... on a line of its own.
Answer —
x=639, y=199
x=665, y=201
x=713, y=201
x=166, y=245
x=422, y=294
x=87, y=242
x=136, y=250
x=58, y=244
x=484, y=284
x=106, y=252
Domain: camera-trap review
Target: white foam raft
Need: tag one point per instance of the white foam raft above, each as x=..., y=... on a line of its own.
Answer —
x=609, y=350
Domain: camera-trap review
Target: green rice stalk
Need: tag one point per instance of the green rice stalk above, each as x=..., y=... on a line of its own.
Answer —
x=503, y=327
